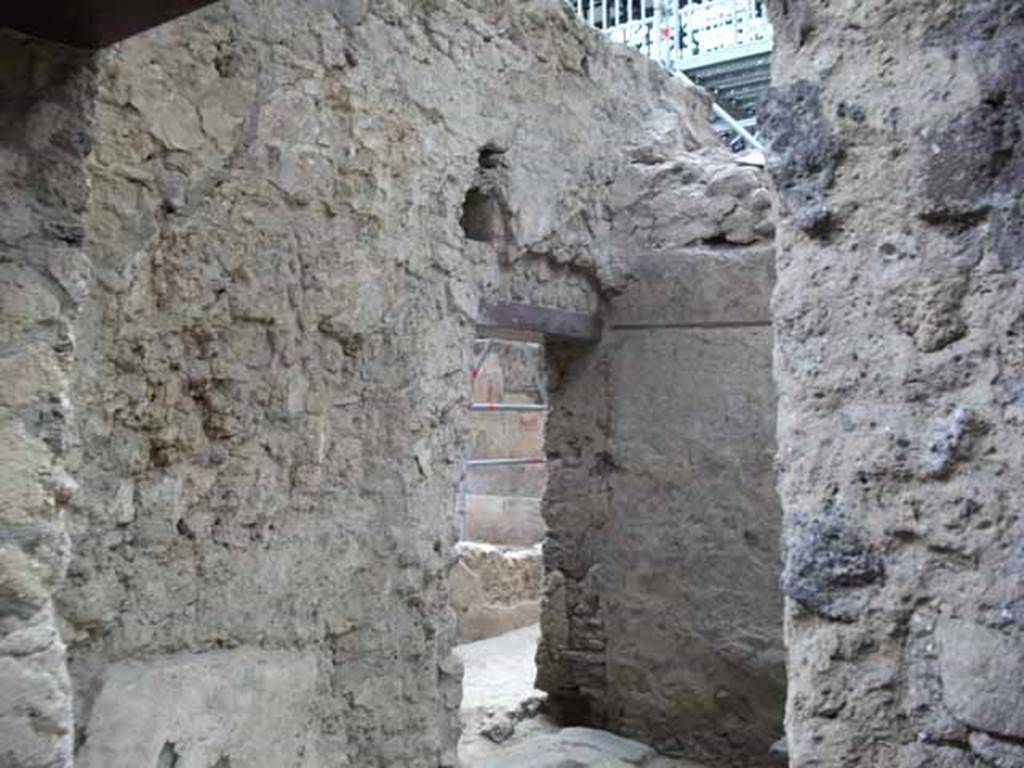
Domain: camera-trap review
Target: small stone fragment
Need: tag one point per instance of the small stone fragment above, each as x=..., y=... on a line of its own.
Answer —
x=498, y=728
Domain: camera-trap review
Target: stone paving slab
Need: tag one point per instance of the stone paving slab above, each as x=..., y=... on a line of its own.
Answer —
x=580, y=748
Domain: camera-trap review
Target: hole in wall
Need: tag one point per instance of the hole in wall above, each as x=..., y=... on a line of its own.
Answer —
x=184, y=529
x=492, y=156
x=485, y=213
x=168, y=757
x=482, y=216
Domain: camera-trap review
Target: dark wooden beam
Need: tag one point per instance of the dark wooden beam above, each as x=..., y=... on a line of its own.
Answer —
x=526, y=322
x=91, y=23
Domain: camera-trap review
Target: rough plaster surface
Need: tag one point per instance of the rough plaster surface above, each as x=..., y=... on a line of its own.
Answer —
x=899, y=320
x=268, y=297
x=508, y=482
x=256, y=708
x=252, y=277
x=505, y=520
x=662, y=612
x=45, y=97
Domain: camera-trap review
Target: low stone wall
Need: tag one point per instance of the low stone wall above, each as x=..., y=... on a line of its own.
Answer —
x=495, y=589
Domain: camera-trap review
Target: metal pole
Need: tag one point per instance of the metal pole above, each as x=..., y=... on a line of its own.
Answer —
x=728, y=119
x=507, y=407
x=478, y=364
x=649, y=8
x=474, y=463
x=659, y=25
x=740, y=130
x=460, y=509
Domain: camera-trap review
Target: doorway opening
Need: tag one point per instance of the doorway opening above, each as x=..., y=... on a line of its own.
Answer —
x=496, y=586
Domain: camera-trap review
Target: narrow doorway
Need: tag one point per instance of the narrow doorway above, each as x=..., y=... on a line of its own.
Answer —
x=496, y=586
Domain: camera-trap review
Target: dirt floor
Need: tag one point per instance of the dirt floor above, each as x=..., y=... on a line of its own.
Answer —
x=500, y=703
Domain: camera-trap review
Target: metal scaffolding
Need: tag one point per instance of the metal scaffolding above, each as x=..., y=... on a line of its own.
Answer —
x=721, y=45
x=519, y=462
x=508, y=407
x=539, y=407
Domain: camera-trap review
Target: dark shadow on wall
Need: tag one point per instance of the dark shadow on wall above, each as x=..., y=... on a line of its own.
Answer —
x=486, y=216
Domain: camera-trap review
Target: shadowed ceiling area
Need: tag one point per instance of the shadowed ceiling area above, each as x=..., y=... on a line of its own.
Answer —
x=92, y=23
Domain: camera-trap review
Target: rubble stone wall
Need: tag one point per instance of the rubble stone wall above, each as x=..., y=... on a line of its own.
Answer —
x=662, y=614
x=495, y=589
x=295, y=209
x=45, y=105
x=899, y=326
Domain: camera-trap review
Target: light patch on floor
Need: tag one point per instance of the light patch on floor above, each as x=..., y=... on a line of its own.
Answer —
x=500, y=670
x=499, y=677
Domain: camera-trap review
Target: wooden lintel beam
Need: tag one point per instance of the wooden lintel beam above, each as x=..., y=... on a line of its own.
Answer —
x=528, y=322
x=91, y=23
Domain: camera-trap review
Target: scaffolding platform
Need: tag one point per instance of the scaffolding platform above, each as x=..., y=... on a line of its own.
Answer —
x=723, y=46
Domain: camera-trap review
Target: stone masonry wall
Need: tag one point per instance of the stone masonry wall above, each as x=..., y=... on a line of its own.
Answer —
x=45, y=104
x=662, y=616
x=295, y=210
x=899, y=319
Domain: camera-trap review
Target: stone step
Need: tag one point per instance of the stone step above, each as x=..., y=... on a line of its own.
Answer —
x=580, y=748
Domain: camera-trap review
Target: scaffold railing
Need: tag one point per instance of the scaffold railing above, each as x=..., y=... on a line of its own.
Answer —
x=721, y=45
